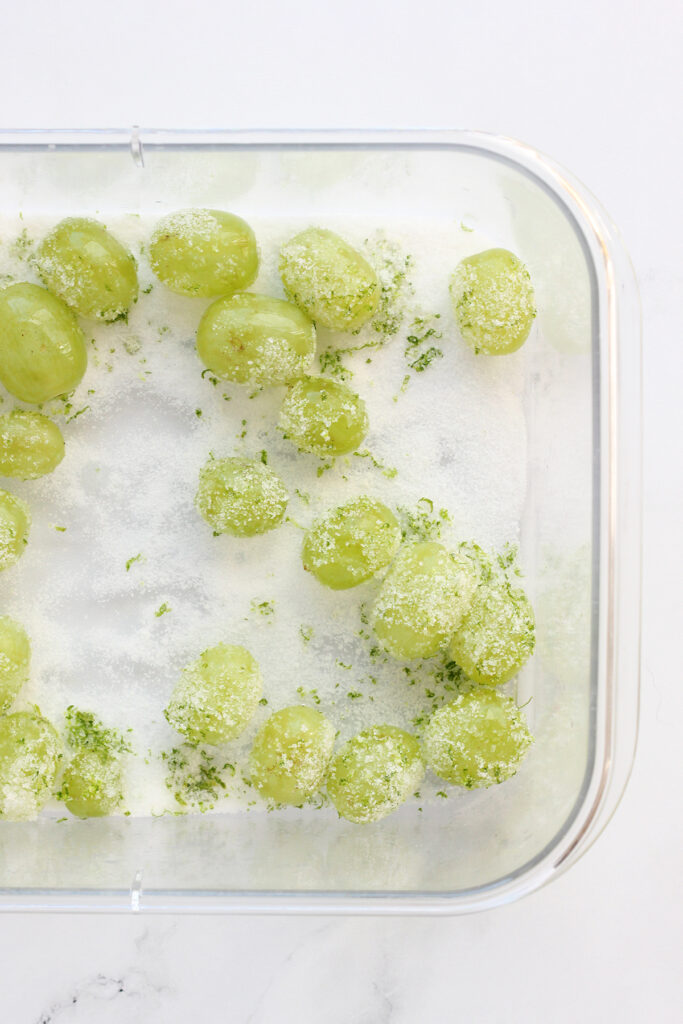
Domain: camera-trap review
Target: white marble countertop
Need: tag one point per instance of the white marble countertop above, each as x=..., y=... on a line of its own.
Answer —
x=598, y=87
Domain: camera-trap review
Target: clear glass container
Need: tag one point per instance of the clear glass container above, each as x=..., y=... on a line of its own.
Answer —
x=580, y=532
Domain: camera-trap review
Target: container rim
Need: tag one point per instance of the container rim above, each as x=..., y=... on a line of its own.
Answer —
x=617, y=525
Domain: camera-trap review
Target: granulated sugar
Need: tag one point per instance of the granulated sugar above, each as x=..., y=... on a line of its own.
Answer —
x=123, y=583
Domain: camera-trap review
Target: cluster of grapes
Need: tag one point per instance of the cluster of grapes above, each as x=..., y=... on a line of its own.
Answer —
x=43, y=356
x=430, y=597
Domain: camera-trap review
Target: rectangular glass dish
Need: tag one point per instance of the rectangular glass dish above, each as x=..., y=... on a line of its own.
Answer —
x=579, y=531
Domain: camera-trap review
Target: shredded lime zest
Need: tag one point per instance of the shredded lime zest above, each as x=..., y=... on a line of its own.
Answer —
x=419, y=354
x=388, y=471
x=331, y=363
x=196, y=777
x=423, y=523
x=23, y=248
x=84, y=730
x=266, y=608
x=308, y=694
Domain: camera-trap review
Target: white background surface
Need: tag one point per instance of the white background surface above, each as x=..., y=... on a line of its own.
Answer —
x=598, y=86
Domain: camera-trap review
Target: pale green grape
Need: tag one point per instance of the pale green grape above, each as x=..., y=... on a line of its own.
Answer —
x=82, y=263
x=43, y=352
x=290, y=755
x=92, y=785
x=422, y=600
x=15, y=523
x=323, y=417
x=374, y=773
x=351, y=543
x=253, y=339
x=31, y=445
x=30, y=752
x=15, y=657
x=204, y=252
x=329, y=279
x=477, y=740
x=216, y=695
x=493, y=301
x=496, y=636
x=240, y=496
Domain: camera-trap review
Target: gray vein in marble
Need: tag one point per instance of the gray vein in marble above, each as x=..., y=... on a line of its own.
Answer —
x=384, y=1009
x=101, y=987
x=133, y=988
x=300, y=949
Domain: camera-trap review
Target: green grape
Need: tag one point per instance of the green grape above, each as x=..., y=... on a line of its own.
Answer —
x=89, y=269
x=15, y=657
x=493, y=301
x=15, y=522
x=216, y=696
x=31, y=445
x=30, y=752
x=92, y=786
x=323, y=417
x=496, y=636
x=290, y=755
x=253, y=339
x=329, y=279
x=351, y=543
x=43, y=352
x=204, y=252
x=477, y=740
x=374, y=773
x=422, y=600
x=240, y=496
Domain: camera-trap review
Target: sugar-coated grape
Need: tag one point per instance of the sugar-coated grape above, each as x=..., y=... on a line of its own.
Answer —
x=477, y=740
x=374, y=773
x=92, y=785
x=43, y=352
x=323, y=417
x=290, y=754
x=422, y=599
x=31, y=445
x=82, y=263
x=216, y=695
x=329, y=279
x=240, y=496
x=30, y=752
x=253, y=339
x=15, y=657
x=351, y=543
x=493, y=301
x=204, y=252
x=496, y=636
x=15, y=523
